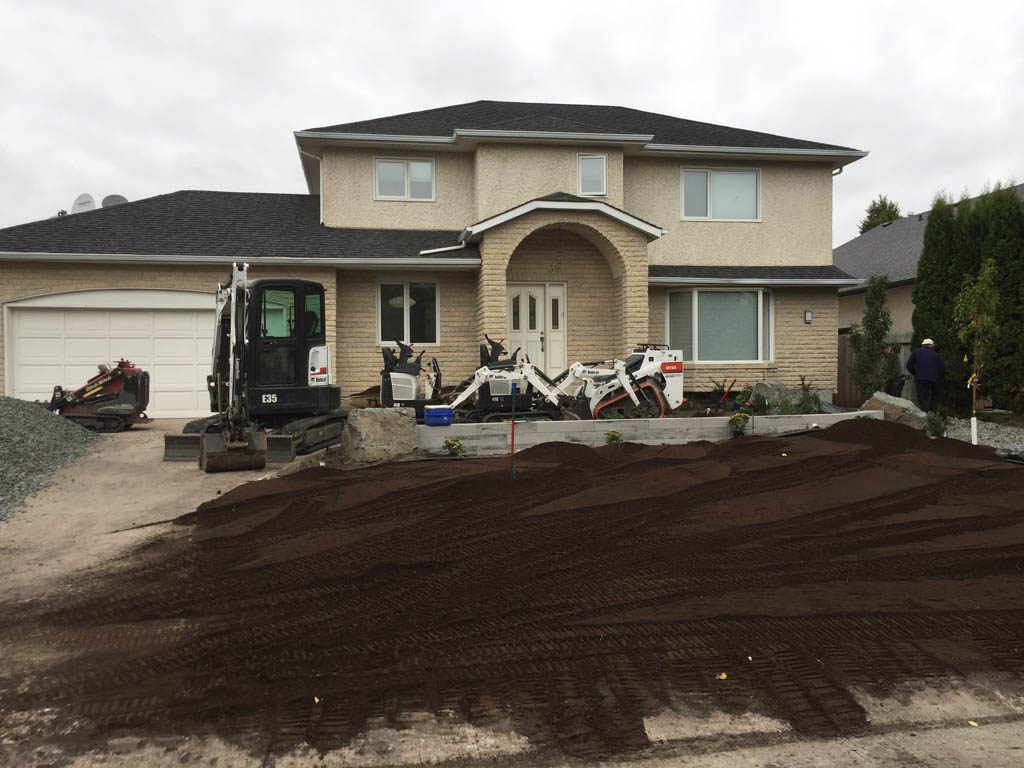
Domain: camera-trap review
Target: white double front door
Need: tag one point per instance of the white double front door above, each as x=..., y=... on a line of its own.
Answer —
x=536, y=323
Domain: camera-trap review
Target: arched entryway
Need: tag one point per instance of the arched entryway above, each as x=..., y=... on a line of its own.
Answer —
x=564, y=303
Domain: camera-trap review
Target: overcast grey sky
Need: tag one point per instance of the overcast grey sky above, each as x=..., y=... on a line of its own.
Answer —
x=141, y=98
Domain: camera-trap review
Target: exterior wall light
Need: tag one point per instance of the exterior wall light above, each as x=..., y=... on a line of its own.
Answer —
x=808, y=316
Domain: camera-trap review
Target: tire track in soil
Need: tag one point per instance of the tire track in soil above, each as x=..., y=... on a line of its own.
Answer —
x=450, y=595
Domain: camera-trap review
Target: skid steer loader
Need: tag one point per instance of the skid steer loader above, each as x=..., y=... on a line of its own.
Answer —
x=270, y=387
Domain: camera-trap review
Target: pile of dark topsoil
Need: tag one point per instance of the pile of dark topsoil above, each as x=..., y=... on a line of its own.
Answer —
x=600, y=587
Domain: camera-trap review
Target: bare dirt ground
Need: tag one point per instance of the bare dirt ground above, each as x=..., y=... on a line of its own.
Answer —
x=849, y=597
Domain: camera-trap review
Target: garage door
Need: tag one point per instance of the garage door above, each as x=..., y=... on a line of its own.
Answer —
x=53, y=345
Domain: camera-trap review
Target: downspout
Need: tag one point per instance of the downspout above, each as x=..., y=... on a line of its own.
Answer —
x=321, y=174
x=835, y=172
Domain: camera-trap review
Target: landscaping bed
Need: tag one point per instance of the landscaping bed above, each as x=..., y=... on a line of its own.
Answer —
x=782, y=577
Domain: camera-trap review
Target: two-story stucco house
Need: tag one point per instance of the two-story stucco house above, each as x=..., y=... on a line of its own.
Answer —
x=572, y=231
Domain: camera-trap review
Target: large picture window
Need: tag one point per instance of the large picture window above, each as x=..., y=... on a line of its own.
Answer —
x=408, y=312
x=722, y=195
x=721, y=325
x=403, y=179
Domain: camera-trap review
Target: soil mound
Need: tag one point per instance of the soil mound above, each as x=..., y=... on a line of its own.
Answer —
x=890, y=437
x=586, y=595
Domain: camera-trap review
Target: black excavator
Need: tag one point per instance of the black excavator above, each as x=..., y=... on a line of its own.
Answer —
x=270, y=388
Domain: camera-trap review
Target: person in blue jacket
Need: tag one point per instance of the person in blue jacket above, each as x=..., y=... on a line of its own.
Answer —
x=928, y=369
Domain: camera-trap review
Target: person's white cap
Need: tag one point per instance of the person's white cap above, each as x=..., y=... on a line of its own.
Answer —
x=927, y=343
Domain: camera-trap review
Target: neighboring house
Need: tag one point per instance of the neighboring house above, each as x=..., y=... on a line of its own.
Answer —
x=892, y=249
x=573, y=231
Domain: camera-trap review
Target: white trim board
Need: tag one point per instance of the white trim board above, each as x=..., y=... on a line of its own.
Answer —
x=120, y=298
x=683, y=282
x=552, y=205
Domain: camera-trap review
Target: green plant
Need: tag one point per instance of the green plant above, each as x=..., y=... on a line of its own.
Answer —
x=808, y=400
x=759, y=403
x=934, y=424
x=977, y=315
x=868, y=339
x=454, y=446
x=612, y=436
x=738, y=423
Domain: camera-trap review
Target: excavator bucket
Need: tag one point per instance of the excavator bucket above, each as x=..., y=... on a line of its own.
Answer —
x=217, y=454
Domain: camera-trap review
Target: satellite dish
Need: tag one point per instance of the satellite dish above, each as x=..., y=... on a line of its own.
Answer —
x=111, y=200
x=83, y=202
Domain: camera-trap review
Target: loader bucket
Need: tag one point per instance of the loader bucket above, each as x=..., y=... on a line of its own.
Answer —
x=216, y=454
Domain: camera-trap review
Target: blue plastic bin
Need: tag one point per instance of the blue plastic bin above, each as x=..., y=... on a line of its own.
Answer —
x=437, y=415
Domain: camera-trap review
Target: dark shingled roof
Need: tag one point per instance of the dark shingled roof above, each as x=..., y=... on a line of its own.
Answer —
x=891, y=249
x=235, y=225
x=570, y=118
x=757, y=273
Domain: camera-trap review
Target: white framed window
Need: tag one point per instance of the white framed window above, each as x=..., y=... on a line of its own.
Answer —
x=721, y=194
x=721, y=325
x=409, y=312
x=592, y=175
x=398, y=179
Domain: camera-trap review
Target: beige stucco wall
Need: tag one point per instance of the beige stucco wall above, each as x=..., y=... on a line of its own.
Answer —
x=510, y=174
x=899, y=301
x=623, y=248
x=23, y=280
x=592, y=304
x=800, y=349
x=348, y=199
x=360, y=362
x=795, y=226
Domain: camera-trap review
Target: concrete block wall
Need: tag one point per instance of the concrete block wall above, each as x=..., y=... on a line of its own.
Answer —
x=800, y=349
x=495, y=439
x=23, y=280
x=360, y=362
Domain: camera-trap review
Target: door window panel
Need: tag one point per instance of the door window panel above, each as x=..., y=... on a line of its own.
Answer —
x=554, y=314
x=533, y=312
x=277, y=313
x=515, y=312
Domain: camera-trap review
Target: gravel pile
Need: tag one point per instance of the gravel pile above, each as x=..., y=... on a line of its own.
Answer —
x=1008, y=438
x=34, y=443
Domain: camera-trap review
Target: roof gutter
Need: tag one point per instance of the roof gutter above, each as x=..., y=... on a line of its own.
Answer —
x=293, y=261
x=776, y=281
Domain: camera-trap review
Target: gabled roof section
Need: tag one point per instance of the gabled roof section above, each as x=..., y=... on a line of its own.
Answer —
x=201, y=226
x=562, y=201
x=892, y=249
x=780, y=276
x=658, y=129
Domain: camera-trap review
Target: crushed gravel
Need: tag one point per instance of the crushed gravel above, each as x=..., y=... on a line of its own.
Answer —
x=34, y=443
x=1000, y=436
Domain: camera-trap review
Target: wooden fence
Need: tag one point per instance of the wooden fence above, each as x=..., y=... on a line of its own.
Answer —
x=846, y=393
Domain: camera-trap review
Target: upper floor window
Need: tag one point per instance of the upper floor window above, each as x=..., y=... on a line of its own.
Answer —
x=592, y=172
x=404, y=179
x=722, y=195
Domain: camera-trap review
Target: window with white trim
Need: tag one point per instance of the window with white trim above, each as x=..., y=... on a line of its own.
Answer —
x=592, y=173
x=407, y=312
x=721, y=194
x=396, y=179
x=719, y=325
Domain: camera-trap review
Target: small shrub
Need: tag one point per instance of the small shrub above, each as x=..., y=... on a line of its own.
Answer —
x=454, y=446
x=934, y=424
x=738, y=423
x=808, y=400
x=612, y=436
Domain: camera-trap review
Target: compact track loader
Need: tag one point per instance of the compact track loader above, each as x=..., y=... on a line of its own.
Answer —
x=112, y=400
x=647, y=384
x=270, y=387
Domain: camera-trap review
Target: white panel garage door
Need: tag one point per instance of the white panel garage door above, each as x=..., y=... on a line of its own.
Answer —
x=51, y=346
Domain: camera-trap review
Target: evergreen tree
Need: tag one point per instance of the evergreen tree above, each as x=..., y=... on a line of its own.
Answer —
x=1004, y=243
x=868, y=339
x=879, y=212
x=935, y=289
x=976, y=312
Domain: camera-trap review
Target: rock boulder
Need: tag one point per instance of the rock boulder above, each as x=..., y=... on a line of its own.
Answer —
x=896, y=409
x=377, y=434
